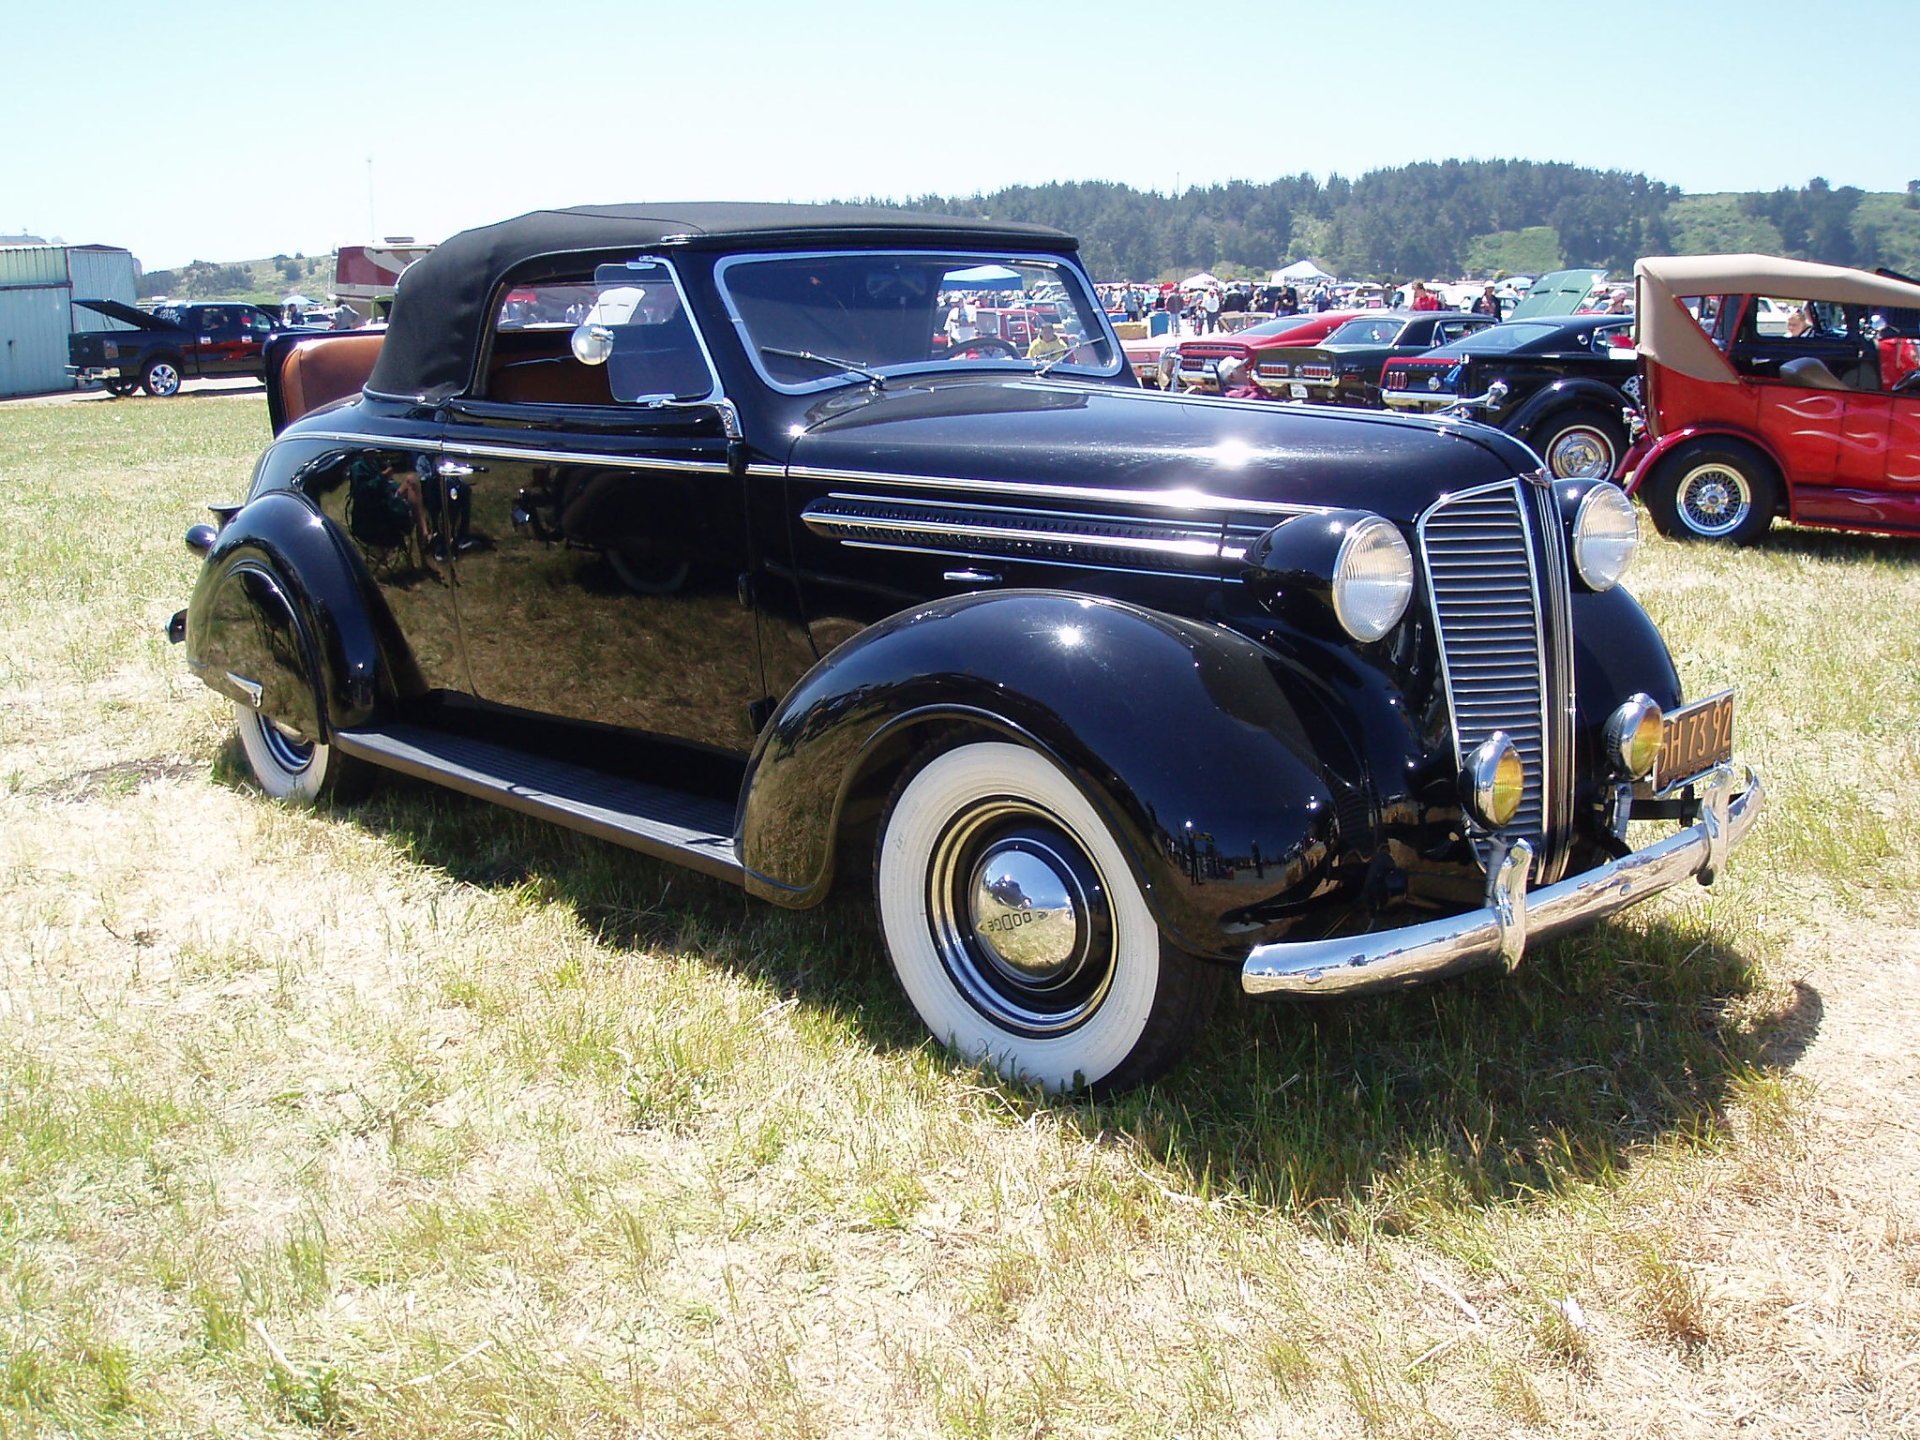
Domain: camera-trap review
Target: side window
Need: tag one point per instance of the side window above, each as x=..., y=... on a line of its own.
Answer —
x=637, y=338
x=215, y=320
x=656, y=352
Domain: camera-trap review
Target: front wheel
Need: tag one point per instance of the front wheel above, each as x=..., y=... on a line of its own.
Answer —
x=1582, y=444
x=1018, y=931
x=295, y=770
x=161, y=378
x=1709, y=490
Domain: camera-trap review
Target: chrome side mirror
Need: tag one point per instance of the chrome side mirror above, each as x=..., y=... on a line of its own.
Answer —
x=592, y=343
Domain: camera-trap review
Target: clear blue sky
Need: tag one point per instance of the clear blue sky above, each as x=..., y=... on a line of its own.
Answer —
x=220, y=131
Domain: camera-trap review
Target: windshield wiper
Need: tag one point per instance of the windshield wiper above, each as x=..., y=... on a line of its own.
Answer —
x=1077, y=345
x=832, y=362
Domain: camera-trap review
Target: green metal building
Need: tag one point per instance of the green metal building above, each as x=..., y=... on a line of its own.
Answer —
x=38, y=284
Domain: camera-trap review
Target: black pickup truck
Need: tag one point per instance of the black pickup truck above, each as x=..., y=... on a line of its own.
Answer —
x=168, y=344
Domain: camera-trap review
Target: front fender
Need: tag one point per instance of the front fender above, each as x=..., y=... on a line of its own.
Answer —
x=1180, y=733
x=1617, y=653
x=280, y=604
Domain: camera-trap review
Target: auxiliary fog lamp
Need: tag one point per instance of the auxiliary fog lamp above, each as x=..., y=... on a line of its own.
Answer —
x=1633, y=736
x=1493, y=781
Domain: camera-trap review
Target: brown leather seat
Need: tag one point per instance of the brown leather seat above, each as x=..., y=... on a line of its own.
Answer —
x=325, y=369
x=550, y=382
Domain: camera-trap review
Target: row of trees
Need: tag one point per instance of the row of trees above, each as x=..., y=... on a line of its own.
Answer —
x=1423, y=219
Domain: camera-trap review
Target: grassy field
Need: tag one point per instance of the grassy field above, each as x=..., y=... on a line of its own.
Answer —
x=419, y=1120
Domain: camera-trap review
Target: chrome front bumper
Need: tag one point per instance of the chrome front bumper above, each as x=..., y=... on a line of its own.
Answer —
x=1414, y=400
x=1500, y=931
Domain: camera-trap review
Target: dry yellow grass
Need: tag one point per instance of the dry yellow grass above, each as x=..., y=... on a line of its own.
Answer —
x=421, y=1120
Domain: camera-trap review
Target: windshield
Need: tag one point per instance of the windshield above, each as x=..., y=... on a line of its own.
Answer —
x=1499, y=339
x=1367, y=332
x=811, y=321
x=1282, y=325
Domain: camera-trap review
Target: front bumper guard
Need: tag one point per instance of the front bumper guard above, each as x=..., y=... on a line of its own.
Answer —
x=1513, y=917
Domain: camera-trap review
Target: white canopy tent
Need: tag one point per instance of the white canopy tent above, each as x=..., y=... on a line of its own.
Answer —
x=1202, y=281
x=1300, y=272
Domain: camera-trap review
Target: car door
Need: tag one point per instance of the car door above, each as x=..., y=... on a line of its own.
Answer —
x=600, y=545
x=217, y=340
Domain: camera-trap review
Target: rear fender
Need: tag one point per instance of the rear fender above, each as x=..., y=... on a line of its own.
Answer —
x=1540, y=407
x=1181, y=734
x=279, y=620
x=1657, y=451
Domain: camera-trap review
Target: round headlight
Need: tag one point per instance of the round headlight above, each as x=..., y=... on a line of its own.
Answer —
x=1633, y=736
x=1493, y=781
x=1606, y=532
x=1372, y=579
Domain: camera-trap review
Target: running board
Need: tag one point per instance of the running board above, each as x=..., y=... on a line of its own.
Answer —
x=690, y=830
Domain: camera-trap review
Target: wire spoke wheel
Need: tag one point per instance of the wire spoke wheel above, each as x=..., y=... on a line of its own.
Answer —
x=1713, y=500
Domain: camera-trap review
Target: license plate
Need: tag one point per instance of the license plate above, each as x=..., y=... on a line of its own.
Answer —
x=1298, y=392
x=1694, y=739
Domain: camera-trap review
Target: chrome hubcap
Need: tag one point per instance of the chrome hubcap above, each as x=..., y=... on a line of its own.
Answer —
x=1025, y=911
x=1714, y=499
x=290, y=754
x=1580, y=455
x=1018, y=912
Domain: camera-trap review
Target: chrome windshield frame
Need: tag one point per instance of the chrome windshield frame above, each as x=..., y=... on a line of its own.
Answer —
x=964, y=259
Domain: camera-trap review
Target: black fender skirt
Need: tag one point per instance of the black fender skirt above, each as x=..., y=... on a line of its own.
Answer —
x=1182, y=734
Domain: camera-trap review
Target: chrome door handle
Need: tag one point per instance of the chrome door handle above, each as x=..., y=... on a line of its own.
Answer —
x=971, y=577
x=455, y=467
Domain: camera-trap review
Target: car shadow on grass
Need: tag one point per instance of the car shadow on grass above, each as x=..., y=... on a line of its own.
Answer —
x=1846, y=546
x=1381, y=1110
x=1370, y=1112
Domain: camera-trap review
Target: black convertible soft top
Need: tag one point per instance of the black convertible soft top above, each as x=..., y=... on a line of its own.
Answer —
x=441, y=305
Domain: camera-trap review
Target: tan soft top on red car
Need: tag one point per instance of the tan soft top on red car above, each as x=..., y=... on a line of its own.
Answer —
x=1669, y=334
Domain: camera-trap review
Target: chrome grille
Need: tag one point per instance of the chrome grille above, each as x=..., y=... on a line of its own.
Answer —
x=1486, y=608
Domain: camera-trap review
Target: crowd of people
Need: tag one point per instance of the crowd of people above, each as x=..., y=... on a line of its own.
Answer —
x=1198, y=310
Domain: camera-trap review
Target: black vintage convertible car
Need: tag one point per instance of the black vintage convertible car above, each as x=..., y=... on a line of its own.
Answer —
x=677, y=525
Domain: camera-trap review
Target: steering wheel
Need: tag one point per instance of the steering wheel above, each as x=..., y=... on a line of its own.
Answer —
x=1907, y=384
x=981, y=347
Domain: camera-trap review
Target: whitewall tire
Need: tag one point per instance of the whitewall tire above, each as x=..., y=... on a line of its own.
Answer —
x=1018, y=931
x=300, y=772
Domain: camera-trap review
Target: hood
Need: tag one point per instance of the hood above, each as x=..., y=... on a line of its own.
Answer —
x=1114, y=442
x=1559, y=293
x=126, y=314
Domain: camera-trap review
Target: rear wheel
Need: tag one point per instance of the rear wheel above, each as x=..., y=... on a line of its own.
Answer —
x=291, y=768
x=1018, y=931
x=1582, y=444
x=161, y=378
x=1713, y=490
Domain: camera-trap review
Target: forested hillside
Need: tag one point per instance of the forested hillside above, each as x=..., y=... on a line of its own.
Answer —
x=1458, y=217
x=1451, y=218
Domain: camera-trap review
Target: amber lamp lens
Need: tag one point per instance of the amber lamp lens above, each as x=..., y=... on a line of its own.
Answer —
x=1634, y=735
x=1509, y=787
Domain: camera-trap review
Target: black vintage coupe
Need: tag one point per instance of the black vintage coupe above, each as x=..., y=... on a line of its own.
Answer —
x=1344, y=368
x=1565, y=385
x=676, y=524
